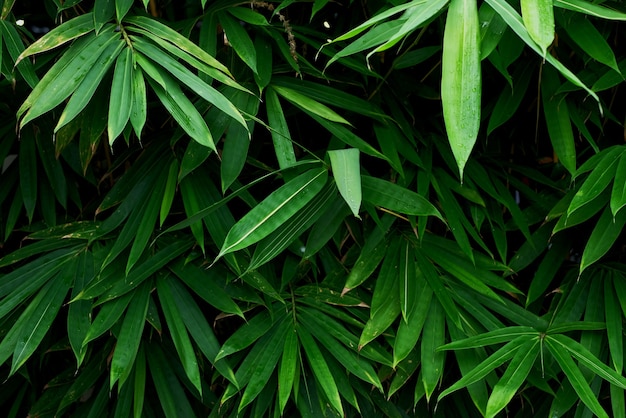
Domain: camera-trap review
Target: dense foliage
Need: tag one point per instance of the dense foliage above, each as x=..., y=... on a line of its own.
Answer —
x=382, y=208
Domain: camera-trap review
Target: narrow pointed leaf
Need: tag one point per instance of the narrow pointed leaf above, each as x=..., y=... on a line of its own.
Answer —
x=274, y=210
x=433, y=336
x=121, y=100
x=576, y=378
x=347, y=175
x=514, y=377
x=538, y=17
x=396, y=198
x=130, y=336
x=66, y=32
x=461, y=79
x=602, y=238
x=287, y=368
x=178, y=332
x=320, y=369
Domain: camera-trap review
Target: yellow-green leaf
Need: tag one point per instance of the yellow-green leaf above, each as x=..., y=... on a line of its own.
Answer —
x=461, y=79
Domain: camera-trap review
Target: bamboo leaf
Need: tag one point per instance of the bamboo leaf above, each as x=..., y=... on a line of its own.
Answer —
x=461, y=79
x=287, y=368
x=130, y=336
x=65, y=76
x=87, y=88
x=320, y=369
x=178, y=332
x=122, y=7
x=591, y=9
x=514, y=20
x=618, y=193
x=488, y=365
x=586, y=358
x=396, y=198
x=279, y=130
x=177, y=104
x=597, y=181
x=247, y=334
x=538, y=17
x=139, y=106
x=40, y=319
x=121, y=101
x=514, y=376
x=613, y=317
x=311, y=105
x=170, y=392
x=347, y=175
x=239, y=40
x=72, y=29
x=575, y=377
x=589, y=39
x=274, y=211
x=558, y=121
x=602, y=238
x=204, y=283
x=182, y=74
x=176, y=39
x=433, y=336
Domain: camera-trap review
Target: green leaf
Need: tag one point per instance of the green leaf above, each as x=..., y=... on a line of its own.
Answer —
x=27, y=158
x=200, y=330
x=347, y=175
x=139, y=106
x=591, y=9
x=264, y=367
x=575, y=377
x=495, y=360
x=103, y=11
x=65, y=76
x=176, y=326
x=177, y=104
x=247, y=334
x=239, y=39
x=279, y=130
x=275, y=243
x=72, y=29
x=121, y=101
x=176, y=39
x=311, y=105
x=433, y=336
x=409, y=330
x=538, y=17
x=13, y=42
x=87, y=88
x=514, y=20
x=586, y=358
x=287, y=368
x=588, y=38
x=613, y=317
x=183, y=75
x=40, y=318
x=122, y=7
x=556, y=113
x=109, y=314
x=130, y=335
x=618, y=194
x=171, y=394
x=204, y=283
x=274, y=210
x=396, y=198
x=597, y=181
x=514, y=376
x=492, y=337
x=320, y=369
x=602, y=238
x=461, y=79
